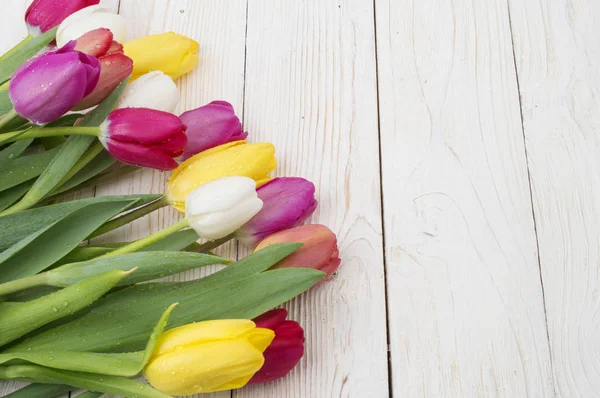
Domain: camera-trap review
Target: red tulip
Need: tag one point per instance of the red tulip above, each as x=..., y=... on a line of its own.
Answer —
x=115, y=66
x=144, y=137
x=285, y=351
x=319, y=251
x=43, y=15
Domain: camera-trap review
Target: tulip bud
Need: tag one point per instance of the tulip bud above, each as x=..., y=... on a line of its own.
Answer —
x=173, y=54
x=288, y=202
x=47, y=86
x=87, y=19
x=218, y=208
x=237, y=158
x=207, y=356
x=43, y=15
x=210, y=126
x=114, y=65
x=286, y=350
x=154, y=90
x=319, y=250
x=144, y=137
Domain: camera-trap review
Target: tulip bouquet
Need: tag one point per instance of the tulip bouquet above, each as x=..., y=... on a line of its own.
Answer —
x=77, y=109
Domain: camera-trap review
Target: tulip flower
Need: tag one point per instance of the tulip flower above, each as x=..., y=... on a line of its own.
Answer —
x=217, y=209
x=237, y=158
x=154, y=90
x=319, y=250
x=47, y=86
x=171, y=53
x=207, y=356
x=286, y=350
x=114, y=65
x=288, y=202
x=144, y=137
x=87, y=19
x=43, y=15
x=210, y=126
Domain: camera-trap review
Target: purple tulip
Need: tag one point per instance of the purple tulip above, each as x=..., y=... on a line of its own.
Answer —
x=287, y=202
x=210, y=126
x=46, y=87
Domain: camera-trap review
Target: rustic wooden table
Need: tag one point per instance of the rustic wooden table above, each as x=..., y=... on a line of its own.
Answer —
x=455, y=146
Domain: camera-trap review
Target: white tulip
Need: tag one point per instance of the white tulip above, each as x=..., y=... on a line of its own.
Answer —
x=88, y=19
x=218, y=208
x=154, y=90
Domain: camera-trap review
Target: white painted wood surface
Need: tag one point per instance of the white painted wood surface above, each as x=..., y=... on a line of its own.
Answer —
x=437, y=84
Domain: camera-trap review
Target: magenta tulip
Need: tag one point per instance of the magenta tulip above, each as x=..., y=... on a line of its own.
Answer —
x=144, y=137
x=288, y=202
x=114, y=65
x=47, y=86
x=43, y=15
x=286, y=349
x=210, y=126
x=319, y=250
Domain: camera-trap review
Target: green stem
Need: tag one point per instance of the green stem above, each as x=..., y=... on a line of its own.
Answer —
x=40, y=132
x=22, y=284
x=148, y=240
x=211, y=244
x=10, y=115
x=87, y=157
x=129, y=217
x=5, y=85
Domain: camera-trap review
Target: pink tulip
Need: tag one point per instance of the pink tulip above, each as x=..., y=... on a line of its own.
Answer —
x=144, y=137
x=115, y=66
x=288, y=202
x=47, y=86
x=43, y=15
x=319, y=250
x=210, y=126
x=285, y=351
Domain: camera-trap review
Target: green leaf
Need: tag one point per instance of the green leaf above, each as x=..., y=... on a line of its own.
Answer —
x=69, y=153
x=40, y=391
x=90, y=394
x=5, y=103
x=107, y=384
x=14, y=150
x=100, y=163
x=11, y=195
x=16, y=227
x=25, y=168
x=123, y=320
x=15, y=57
x=19, y=319
x=126, y=364
x=47, y=245
x=176, y=241
x=150, y=265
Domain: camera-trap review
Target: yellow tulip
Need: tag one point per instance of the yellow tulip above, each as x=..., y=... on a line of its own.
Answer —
x=236, y=158
x=173, y=54
x=207, y=356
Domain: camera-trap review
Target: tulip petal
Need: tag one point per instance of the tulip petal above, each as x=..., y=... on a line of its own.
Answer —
x=43, y=15
x=271, y=319
x=144, y=126
x=139, y=155
x=90, y=18
x=154, y=90
x=95, y=42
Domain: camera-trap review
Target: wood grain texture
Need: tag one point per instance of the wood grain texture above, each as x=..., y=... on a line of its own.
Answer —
x=558, y=59
x=311, y=90
x=466, y=316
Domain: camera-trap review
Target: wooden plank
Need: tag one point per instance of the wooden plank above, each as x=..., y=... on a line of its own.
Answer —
x=219, y=27
x=466, y=313
x=558, y=58
x=311, y=90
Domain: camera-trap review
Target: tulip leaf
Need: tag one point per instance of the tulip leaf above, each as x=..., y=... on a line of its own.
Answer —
x=100, y=163
x=123, y=320
x=117, y=385
x=18, y=319
x=115, y=364
x=150, y=265
x=40, y=391
x=14, y=150
x=5, y=102
x=69, y=153
x=11, y=195
x=24, y=168
x=15, y=227
x=50, y=243
x=15, y=57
